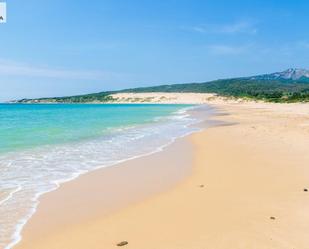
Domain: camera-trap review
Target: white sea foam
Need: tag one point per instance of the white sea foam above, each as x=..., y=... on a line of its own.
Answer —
x=29, y=174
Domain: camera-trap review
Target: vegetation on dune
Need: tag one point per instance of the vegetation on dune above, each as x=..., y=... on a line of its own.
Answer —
x=88, y=98
x=272, y=90
x=267, y=90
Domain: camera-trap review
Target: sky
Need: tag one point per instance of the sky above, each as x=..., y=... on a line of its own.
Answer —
x=59, y=48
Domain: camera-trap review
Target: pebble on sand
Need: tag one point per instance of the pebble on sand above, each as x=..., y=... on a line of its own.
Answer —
x=305, y=189
x=122, y=243
x=272, y=217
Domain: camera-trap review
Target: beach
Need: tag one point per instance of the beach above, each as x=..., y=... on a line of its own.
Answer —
x=239, y=183
x=154, y=124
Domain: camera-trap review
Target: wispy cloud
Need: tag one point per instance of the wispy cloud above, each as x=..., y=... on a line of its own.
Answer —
x=303, y=44
x=10, y=68
x=222, y=49
x=239, y=27
x=244, y=27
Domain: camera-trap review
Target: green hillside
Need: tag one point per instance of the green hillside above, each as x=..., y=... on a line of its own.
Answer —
x=272, y=90
x=268, y=90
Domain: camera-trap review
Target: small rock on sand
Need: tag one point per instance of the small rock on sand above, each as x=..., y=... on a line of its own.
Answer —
x=201, y=186
x=272, y=217
x=306, y=190
x=122, y=243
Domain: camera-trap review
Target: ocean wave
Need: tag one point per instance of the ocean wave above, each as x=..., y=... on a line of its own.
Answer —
x=33, y=172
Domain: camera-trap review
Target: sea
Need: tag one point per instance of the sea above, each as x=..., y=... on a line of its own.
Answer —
x=45, y=145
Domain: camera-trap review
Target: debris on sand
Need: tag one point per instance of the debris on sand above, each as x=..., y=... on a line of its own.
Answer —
x=122, y=243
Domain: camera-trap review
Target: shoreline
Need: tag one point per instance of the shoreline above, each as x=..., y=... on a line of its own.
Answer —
x=23, y=223
x=259, y=136
x=118, y=171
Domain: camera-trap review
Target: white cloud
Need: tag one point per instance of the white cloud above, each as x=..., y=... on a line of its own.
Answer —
x=10, y=68
x=244, y=27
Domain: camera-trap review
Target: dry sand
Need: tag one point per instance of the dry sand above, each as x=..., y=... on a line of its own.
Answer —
x=162, y=98
x=242, y=175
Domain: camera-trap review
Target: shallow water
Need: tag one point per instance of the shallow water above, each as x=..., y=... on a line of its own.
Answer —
x=44, y=145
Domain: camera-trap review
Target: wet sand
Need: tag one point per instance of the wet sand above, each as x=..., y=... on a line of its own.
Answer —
x=230, y=186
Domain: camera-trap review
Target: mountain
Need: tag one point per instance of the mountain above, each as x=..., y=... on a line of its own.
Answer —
x=289, y=74
x=291, y=85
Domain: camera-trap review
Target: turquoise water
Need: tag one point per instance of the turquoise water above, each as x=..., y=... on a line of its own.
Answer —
x=26, y=126
x=42, y=146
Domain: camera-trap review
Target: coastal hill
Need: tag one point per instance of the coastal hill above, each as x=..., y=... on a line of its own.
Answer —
x=291, y=85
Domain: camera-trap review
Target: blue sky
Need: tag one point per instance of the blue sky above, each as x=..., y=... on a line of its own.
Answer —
x=56, y=48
